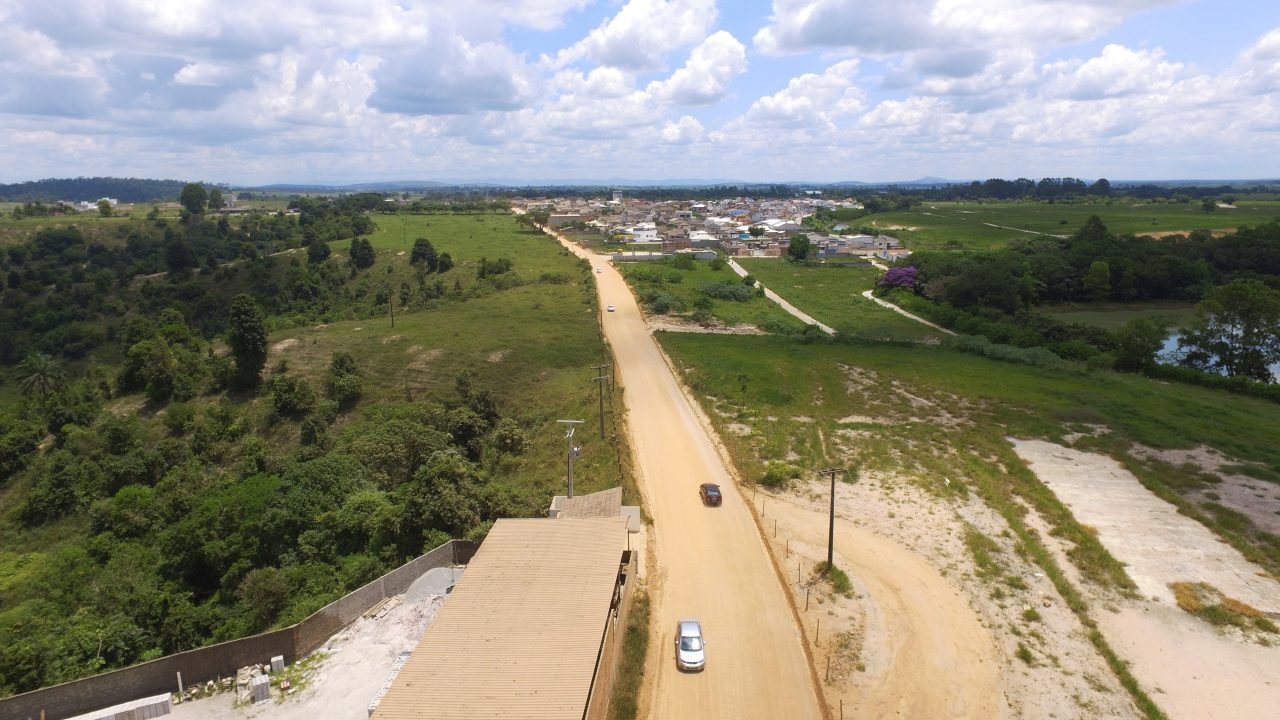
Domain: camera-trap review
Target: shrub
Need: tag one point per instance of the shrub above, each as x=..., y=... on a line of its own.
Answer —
x=180, y=418
x=346, y=389
x=291, y=396
x=839, y=579
x=509, y=437
x=1024, y=654
x=778, y=474
x=663, y=303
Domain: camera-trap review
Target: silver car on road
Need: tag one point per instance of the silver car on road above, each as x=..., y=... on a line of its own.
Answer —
x=691, y=648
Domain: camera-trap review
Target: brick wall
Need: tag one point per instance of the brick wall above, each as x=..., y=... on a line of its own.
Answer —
x=221, y=660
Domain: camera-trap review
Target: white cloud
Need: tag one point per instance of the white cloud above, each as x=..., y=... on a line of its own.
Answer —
x=812, y=100
x=643, y=32
x=705, y=77
x=873, y=26
x=205, y=74
x=1117, y=71
x=685, y=130
x=1260, y=64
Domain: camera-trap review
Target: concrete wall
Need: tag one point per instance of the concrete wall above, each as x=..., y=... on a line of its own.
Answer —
x=602, y=687
x=223, y=659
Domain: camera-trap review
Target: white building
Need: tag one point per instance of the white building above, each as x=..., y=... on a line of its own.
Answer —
x=644, y=232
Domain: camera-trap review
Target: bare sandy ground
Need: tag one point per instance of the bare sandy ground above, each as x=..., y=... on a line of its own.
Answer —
x=1191, y=669
x=933, y=639
x=1157, y=544
x=358, y=660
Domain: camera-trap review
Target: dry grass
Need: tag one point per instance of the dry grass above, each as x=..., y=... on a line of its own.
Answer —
x=1187, y=596
x=1209, y=604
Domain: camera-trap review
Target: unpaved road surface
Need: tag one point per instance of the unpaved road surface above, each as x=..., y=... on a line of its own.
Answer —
x=927, y=655
x=711, y=562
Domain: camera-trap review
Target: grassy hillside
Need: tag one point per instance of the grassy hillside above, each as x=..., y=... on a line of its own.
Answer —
x=146, y=526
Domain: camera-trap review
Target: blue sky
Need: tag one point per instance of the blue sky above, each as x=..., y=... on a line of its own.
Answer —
x=534, y=90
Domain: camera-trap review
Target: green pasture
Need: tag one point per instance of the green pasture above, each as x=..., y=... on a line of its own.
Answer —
x=941, y=417
x=782, y=378
x=684, y=284
x=985, y=226
x=14, y=231
x=833, y=296
x=1113, y=315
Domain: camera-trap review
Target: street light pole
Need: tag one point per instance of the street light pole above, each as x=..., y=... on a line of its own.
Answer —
x=570, y=451
x=831, y=521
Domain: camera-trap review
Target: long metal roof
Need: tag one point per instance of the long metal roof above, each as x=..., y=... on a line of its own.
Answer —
x=518, y=637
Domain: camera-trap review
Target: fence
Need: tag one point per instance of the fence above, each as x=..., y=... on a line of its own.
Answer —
x=222, y=660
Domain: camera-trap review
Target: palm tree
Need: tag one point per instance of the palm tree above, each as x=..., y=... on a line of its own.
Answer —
x=42, y=376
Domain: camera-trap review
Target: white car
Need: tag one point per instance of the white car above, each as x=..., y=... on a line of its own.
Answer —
x=599, y=270
x=610, y=308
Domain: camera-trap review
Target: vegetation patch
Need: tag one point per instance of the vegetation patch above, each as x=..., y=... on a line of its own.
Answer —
x=1209, y=604
x=838, y=578
x=631, y=668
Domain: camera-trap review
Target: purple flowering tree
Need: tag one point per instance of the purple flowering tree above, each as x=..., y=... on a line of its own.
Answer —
x=899, y=277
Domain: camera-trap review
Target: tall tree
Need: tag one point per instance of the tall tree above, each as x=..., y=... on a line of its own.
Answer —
x=362, y=255
x=1097, y=281
x=248, y=341
x=1237, y=331
x=799, y=248
x=42, y=376
x=104, y=207
x=1137, y=344
x=216, y=201
x=193, y=198
x=424, y=253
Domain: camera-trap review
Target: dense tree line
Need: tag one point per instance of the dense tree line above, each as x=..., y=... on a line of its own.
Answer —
x=64, y=292
x=130, y=190
x=995, y=294
x=207, y=533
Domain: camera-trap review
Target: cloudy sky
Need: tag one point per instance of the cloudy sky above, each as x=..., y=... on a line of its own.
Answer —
x=350, y=91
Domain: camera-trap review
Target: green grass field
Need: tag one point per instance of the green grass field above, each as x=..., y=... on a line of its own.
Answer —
x=948, y=225
x=1113, y=315
x=14, y=231
x=759, y=311
x=833, y=296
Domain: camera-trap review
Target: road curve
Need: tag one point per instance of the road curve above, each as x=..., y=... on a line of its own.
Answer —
x=932, y=657
x=711, y=563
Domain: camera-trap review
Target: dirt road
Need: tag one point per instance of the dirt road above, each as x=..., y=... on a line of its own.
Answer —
x=927, y=655
x=795, y=311
x=711, y=562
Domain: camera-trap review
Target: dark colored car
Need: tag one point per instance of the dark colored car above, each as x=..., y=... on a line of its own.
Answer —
x=710, y=493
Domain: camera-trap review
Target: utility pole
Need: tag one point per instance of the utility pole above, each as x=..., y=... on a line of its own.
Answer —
x=601, y=379
x=391, y=305
x=831, y=523
x=571, y=452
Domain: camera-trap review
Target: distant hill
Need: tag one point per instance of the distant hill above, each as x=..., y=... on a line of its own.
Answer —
x=128, y=190
x=389, y=186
